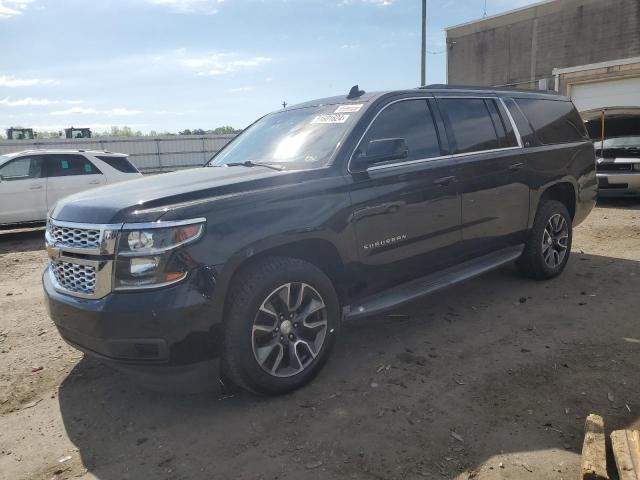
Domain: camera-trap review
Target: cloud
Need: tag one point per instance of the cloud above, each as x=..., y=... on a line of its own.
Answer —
x=113, y=112
x=217, y=64
x=241, y=89
x=12, y=8
x=11, y=81
x=122, y=112
x=28, y=101
x=168, y=112
x=75, y=111
x=379, y=3
x=208, y=7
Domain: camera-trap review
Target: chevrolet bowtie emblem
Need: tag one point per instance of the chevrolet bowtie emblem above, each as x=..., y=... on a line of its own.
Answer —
x=53, y=251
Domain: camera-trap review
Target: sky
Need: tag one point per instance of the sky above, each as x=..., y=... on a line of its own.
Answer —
x=169, y=65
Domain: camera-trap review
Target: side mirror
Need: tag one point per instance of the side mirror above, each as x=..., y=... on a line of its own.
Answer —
x=379, y=151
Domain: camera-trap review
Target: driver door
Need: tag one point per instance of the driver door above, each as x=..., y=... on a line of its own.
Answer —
x=23, y=196
x=406, y=212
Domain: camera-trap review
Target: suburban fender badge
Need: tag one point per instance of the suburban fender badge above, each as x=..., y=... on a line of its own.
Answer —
x=385, y=242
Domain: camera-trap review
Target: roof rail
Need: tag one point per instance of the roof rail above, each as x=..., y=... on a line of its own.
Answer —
x=504, y=88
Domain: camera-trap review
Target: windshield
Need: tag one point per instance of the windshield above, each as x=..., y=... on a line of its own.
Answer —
x=299, y=139
x=620, y=142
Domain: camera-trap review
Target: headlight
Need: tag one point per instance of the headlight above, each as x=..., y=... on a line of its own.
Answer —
x=636, y=167
x=148, y=255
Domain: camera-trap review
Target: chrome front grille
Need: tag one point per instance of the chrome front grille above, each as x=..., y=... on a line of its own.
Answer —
x=75, y=278
x=66, y=236
x=81, y=257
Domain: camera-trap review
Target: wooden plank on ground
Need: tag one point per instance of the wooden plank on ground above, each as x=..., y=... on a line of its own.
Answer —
x=594, y=456
x=626, y=450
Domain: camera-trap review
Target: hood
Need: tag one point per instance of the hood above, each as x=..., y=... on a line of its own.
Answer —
x=144, y=199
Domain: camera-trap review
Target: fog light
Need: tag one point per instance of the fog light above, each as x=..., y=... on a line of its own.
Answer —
x=141, y=266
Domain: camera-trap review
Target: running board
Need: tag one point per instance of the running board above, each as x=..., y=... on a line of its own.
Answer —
x=410, y=291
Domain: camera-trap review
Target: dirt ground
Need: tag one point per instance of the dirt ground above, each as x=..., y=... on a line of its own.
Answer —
x=491, y=379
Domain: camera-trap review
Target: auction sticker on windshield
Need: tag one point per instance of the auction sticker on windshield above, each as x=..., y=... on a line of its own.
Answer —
x=349, y=108
x=331, y=118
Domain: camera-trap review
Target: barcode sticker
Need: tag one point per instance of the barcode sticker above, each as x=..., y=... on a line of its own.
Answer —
x=331, y=118
x=349, y=108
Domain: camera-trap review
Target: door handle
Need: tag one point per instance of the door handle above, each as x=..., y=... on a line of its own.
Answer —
x=35, y=187
x=516, y=166
x=94, y=182
x=444, y=180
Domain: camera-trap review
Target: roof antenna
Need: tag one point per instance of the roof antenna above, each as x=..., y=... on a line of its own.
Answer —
x=355, y=92
x=484, y=14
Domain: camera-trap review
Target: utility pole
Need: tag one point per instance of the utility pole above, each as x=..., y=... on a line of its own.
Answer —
x=423, y=52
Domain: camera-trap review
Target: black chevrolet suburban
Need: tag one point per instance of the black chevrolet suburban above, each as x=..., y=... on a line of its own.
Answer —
x=319, y=213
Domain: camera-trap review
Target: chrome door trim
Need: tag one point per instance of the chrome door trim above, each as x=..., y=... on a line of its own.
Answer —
x=430, y=159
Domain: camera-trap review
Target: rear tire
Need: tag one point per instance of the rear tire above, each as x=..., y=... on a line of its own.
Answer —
x=280, y=326
x=548, y=246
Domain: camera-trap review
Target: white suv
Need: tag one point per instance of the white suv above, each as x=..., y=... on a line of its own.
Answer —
x=31, y=182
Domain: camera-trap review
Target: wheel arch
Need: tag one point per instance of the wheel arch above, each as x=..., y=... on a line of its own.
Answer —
x=564, y=192
x=320, y=252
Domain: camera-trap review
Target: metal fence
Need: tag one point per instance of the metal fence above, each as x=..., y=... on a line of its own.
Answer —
x=148, y=154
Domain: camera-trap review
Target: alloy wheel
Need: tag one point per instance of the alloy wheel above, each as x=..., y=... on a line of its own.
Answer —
x=555, y=241
x=289, y=329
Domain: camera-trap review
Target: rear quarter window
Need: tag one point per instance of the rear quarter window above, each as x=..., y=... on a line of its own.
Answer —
x=121, y=164
x=554, y=121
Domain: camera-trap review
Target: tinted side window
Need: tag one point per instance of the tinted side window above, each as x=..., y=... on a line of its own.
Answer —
x=119, y=163
x=506, y=135
x=470, y=123
x=524, y=127
x=22, y=168
x=64, y=165
x=554, y=121
x=411, y=120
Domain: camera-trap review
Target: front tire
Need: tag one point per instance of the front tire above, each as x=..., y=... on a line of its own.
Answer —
x=280, y=326
x=548, y=246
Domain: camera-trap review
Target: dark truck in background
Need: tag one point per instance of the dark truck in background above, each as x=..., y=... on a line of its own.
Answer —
x=323, y=212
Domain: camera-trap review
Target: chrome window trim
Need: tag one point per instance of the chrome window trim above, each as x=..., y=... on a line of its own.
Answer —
x=440, y=157
x=431, y=159
x=513, y=122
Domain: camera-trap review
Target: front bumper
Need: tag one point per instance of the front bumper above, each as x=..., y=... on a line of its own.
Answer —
x=618, y=184
x=169, y=326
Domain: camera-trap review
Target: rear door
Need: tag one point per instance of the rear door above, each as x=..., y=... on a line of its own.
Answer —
x=22, y=190
x=491, y=173
x=69, y=173
x=406, y=212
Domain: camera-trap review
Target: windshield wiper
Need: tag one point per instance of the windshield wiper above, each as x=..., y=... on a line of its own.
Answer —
x=249, y=163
